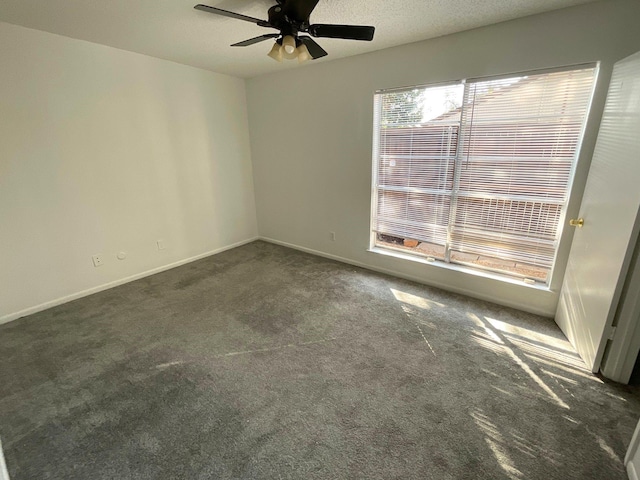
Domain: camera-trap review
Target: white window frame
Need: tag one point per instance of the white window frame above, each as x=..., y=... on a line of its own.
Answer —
x=472, y=269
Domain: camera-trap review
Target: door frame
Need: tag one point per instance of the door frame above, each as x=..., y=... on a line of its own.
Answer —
x=622, y=351
x=632, y=458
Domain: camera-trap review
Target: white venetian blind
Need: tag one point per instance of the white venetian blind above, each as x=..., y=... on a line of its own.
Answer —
x=415, y=162
x=519, y=143
x=482, y=168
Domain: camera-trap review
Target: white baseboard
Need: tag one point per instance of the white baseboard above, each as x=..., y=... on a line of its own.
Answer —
x=404, y=276
x=68, y=298
x=74, y=296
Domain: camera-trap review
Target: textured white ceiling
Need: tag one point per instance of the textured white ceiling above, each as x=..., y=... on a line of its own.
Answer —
x=173, y=30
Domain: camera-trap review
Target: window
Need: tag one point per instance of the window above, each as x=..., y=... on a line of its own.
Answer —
x=478, y=172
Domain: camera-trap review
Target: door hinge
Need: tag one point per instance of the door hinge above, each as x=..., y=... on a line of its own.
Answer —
x=612, y=333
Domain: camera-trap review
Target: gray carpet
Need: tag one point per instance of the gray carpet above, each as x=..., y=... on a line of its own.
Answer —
x=264, y=362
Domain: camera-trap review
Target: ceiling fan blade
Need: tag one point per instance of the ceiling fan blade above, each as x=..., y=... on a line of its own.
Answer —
x=299, y=9
x=349, y=32
x=315, y=50
x=251, y=41
x=227, y=13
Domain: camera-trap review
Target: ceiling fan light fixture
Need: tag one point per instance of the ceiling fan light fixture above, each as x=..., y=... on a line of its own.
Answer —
x=303, y=53
x=291, y=18
x=289, y=45
x=276, y=52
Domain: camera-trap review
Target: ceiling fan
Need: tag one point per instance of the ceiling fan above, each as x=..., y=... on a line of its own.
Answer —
x=290, y=18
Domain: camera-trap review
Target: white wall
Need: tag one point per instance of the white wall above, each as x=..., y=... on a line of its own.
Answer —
x=311, y=132
x=103, y=151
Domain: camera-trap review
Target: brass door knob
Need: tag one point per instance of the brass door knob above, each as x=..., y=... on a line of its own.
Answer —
x=576, y=222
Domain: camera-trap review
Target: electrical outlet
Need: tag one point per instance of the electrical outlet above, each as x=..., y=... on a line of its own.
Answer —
x=333, y=236
x=97, y=260
x=160, y=244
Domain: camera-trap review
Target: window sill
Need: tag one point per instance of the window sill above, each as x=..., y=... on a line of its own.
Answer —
x=459, y=268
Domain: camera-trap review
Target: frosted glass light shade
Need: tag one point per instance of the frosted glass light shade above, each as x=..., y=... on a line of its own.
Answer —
x=290, y=56
x=303, y=53
x=276, y=52
x=289, y=44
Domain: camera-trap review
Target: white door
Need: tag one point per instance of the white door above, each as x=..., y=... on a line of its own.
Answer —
x=602, y=247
